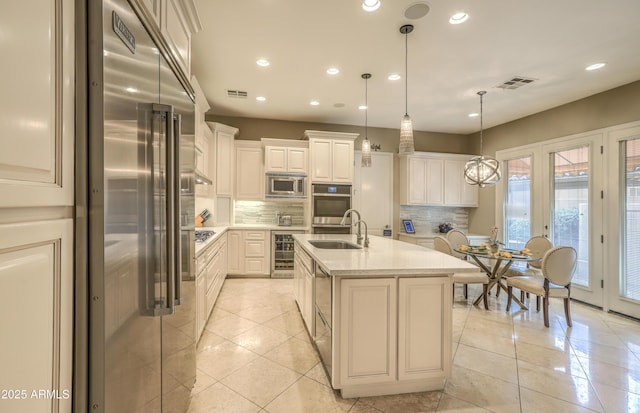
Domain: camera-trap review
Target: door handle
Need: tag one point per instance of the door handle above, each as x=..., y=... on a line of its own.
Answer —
x=176, y=122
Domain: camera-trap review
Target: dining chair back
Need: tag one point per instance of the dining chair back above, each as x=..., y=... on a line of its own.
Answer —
x=457, y=238
x=538, y=246
x=441, y=244
x=558, y=267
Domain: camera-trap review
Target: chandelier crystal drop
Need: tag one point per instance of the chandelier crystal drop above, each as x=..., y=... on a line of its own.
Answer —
x=406, y=125
x=366, y=144
x=482, y=170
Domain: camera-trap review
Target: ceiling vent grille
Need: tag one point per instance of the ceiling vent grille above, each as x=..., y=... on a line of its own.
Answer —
x=240, y=94
x=516, y=82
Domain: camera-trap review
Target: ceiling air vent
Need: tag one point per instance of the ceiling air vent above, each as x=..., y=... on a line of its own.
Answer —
x=516, y=82
x=241, y=94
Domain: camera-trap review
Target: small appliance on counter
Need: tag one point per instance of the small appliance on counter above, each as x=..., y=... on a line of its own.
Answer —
x=444, y=228
x=284, y=220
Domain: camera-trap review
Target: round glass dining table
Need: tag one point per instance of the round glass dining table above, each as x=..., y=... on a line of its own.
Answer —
x=497, y=270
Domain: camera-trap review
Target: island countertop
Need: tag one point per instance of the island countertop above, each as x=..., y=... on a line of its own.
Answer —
x=384, y=256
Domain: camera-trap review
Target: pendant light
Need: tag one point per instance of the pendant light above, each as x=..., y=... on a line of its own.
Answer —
x=482, y=170
x=366, y=144
x=406, y=125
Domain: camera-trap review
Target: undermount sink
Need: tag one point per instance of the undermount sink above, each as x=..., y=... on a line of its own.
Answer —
x=334, y=245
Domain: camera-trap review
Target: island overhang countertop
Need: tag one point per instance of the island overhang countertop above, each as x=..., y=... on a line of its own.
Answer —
x=384, y=256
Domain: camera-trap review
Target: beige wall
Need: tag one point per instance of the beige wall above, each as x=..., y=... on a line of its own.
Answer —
x=254, y=129
x=610, y=108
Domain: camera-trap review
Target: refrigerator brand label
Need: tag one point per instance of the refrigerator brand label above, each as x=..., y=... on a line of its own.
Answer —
x=123, y=32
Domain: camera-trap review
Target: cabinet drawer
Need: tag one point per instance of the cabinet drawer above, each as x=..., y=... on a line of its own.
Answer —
x=304, y=258
x=254, y=248
x=255, y=235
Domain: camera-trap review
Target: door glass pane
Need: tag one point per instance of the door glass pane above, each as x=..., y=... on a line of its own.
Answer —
x=517, y=207
x=570, y=205
x=630, y=282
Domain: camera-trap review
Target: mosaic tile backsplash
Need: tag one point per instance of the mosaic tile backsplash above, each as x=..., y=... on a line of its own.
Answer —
x=264, y=212
x=426, y=219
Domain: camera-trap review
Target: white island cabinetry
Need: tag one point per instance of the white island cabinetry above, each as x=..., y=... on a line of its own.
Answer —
x=390, y=323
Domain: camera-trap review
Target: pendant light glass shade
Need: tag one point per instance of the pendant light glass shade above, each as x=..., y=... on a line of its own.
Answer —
x=366, y=144
x=406, y=136
x=406, y=125
x=482, y=170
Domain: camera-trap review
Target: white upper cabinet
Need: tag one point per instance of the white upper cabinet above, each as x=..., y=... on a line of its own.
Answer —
x=286, y=156
x=332, y=156
x=176, y=20
x=224, y=156
x=435, y=179
x=37, y=109
x=249, y=171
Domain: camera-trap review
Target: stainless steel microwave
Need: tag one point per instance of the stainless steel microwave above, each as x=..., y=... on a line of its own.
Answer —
x=282, y=185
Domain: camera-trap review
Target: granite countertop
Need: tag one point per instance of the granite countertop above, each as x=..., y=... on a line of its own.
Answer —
x=384, y=256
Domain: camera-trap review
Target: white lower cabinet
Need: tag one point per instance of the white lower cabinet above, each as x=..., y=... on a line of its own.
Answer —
x=36, y=278
x=393, y=335
x=303, y=280
x=249, y=252
x=368, y=330
x=211, y=272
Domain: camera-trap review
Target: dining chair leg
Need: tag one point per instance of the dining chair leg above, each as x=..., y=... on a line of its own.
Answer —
x=509, y=293
x=485, y=292
x=497, y=290
x=453, y=290
x=537, y=303
x=466, y=290
x=522, y=296
x=545, y=310
x=567, y=313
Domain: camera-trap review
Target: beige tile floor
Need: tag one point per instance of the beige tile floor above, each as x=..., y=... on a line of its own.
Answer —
x=255, y=356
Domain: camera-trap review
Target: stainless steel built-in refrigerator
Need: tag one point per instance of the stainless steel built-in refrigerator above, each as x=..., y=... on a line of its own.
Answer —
x=141, y=216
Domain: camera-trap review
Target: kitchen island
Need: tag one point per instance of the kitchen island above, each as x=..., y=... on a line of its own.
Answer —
x=380, y=316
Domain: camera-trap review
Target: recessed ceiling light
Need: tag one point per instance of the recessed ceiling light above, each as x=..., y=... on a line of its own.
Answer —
x=459, y=18
x=131, y=89
x=473, y=115
x=394, y=76
x=314, y=103
x=595, y=66
x=261, y=98
x=370, y=5
x=362, y=107
x=333, y=71
x=262, y=62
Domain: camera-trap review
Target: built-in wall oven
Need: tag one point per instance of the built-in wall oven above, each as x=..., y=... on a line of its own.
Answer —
x=328, y=204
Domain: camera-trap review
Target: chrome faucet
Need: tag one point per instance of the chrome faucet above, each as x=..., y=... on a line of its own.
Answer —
x=358, y=222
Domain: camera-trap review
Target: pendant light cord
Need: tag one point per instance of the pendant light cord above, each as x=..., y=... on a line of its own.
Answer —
x=406, y=76
x=481, y=93
x=366, y=104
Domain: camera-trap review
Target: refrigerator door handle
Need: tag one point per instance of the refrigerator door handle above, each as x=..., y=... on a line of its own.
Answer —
x=177, y=251
x=166, y=111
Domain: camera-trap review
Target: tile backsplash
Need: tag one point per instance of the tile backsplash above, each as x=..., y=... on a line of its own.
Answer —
x=264, y=212
x=426, y=219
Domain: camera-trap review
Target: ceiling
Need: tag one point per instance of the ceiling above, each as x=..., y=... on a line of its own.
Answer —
x=548, y=40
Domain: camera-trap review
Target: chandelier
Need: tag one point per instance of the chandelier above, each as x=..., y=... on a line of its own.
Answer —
x=482, y=170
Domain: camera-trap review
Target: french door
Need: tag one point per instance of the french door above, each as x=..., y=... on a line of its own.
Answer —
x=573, y=208
x=623, y=221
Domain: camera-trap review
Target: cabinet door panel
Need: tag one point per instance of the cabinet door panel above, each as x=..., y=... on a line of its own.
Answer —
x=275, y=159
x=178, y=34
x=453, y=182
x=435, y=182
x=424, y=327
x=321, y=160
x=368, y=330
x=36, y=278
x=224, y=163
x=417, y=181
x=37, y=109
x=297, y=160
x=254, y=248
x=342, y=161
x=249, y=173
x=235, y=252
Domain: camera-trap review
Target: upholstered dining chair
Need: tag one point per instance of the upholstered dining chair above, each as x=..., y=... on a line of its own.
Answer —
x=457, y=238
x=538, y=246
x=441, y=244
x=558, y=266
